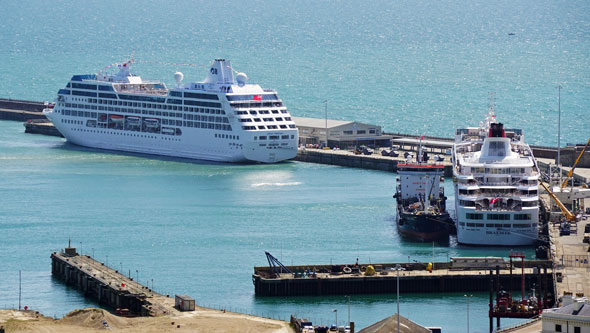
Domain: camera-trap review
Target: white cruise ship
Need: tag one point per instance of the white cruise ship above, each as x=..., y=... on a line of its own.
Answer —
x=222, y=118
x=496, y=186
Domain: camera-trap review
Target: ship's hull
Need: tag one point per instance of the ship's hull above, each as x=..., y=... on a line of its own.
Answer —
x=192, y=144
x=488, y=232
x=424, y=227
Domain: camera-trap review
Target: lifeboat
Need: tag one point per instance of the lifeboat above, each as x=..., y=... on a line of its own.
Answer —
x=117, y=118
x=151, y=122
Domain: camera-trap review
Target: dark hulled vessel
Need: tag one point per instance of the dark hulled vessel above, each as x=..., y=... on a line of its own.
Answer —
x=421, y=202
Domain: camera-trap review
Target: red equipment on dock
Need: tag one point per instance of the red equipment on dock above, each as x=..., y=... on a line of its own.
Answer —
x=507, y=307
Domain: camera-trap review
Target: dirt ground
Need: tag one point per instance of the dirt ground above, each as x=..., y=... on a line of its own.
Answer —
x=98, y=320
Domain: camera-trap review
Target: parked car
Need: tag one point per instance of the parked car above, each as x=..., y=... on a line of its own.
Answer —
x=564, y=229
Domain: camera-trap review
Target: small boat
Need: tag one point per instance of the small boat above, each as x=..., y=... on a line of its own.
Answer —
x=117, y=118
x=151, y=122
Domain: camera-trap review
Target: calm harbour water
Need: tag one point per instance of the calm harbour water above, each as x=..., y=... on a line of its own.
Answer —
x=199, y=228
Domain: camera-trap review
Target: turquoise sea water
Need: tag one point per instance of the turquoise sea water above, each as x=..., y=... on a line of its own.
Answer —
x=199, y=228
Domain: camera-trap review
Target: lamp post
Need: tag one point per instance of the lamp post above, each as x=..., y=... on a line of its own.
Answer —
x=336, y=314
x=19, y=288
x=559, y=127
x=398, y=268
x=326, y=107
x=348, y=309
x=468, y=297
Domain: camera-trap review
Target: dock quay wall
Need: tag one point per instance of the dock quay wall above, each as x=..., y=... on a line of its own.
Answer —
x=348, y=159
x=41, y=126
x=18, y=110
x=23, y=110
x=105, y=285
x=442, y=279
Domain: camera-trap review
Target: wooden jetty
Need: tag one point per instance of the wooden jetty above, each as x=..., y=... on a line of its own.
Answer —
x=414, y=278
x=108, y=286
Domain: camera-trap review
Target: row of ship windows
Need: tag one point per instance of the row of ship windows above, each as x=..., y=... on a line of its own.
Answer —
x=63, y=92
x=142, y=105
x=125, y=134
x=134, y=128
x=498, y=180
x=227, y=136
x=468, y=203
x=496, y=171
x=254, y=104
x=274, y=137
x=249, y=120
x=496, y=225
x=196, y=124
x=253, y=128
x=138, y=127
x=156, y=106
x=498, y=191
x=254, y=112
x=67, y=112
x=273, y=145
x=150, y=112
x=505, y=217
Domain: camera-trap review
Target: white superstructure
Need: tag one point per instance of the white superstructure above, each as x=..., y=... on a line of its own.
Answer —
x=222, y=118
x=496, y=186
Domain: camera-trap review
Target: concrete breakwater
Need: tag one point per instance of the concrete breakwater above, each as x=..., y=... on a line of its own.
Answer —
x=41, y=126
x=19, y=110
x=349, y=159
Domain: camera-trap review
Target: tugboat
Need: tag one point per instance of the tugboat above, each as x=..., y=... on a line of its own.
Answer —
x=421, y=201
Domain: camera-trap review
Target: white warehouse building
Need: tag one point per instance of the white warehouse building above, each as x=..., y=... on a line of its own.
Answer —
x=341, y=134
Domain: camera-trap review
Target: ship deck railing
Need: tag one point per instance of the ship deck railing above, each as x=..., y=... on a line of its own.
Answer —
x=482, y=196
x=158, y=92
x=499, y=209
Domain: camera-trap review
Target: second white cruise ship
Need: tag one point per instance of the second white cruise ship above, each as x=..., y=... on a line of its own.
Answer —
x=222, y=118
x=496, y=186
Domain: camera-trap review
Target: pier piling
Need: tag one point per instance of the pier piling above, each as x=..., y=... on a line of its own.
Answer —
x=108, y=286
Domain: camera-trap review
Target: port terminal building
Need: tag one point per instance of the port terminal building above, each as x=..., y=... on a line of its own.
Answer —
x=340, y=133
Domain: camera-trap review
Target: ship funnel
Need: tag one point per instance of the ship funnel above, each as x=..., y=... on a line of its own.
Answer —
x=220, y=72
x=497, y=130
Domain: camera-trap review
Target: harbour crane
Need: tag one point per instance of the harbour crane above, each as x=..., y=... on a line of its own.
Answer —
x=566, y=213
x=569, y=174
